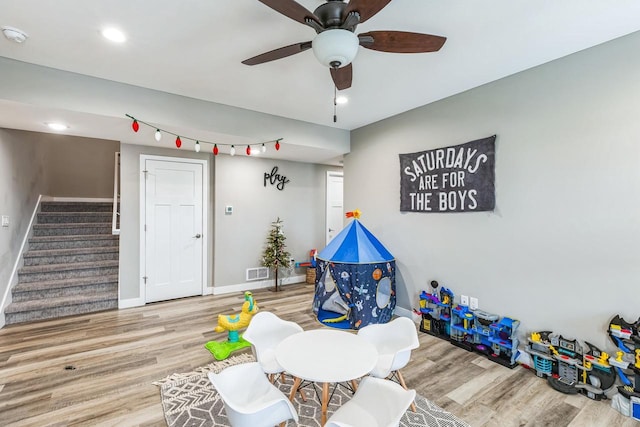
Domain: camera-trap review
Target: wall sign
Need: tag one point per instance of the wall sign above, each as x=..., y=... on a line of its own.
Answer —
x=460, y=178
x=274, y=178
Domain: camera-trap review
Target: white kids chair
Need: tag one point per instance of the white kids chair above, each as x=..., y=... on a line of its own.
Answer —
x=250, y=400
x=376, y=403
x=394, y=342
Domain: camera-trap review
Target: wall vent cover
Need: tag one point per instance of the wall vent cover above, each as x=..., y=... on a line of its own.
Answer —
x=257, y=273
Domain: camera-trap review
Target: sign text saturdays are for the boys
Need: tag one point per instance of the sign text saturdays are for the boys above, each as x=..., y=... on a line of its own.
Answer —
x=460, y=178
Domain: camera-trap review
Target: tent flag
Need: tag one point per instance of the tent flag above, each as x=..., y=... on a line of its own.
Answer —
x=355, y=244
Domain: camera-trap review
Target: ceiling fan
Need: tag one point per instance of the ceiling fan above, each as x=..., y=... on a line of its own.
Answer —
x=336, y=44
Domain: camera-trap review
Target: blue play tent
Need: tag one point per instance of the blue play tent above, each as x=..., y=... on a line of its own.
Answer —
x=355, y=280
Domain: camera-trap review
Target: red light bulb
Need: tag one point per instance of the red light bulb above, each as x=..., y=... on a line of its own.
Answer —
x=135, y=125
x=215, y=150
x=277, y=145
x=178, y=142
x=248, y=150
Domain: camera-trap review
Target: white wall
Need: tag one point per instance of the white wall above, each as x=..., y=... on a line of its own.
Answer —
x=561, y=252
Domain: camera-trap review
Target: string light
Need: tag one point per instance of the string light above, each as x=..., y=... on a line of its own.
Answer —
x=135, y=125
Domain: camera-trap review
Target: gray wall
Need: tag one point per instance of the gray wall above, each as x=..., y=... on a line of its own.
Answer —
x=130, y=212
x=80, y=167
x=561, y=251
x=235, y=241
x=23, y=178
x=33, y=164
x=241, y=237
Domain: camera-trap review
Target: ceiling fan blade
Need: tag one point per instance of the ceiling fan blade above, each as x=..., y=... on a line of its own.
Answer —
x=293, y=10
x=401, y=41
x=342, y=76
x=279, y=53
x=366, y=8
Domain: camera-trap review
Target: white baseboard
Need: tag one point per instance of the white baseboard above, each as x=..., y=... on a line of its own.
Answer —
x=80, y=199
x=259, y=284
x=13, y=279
x=403, y=312
x=130, y=302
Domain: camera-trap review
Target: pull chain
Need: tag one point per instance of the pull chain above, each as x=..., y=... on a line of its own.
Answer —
x=335, y=104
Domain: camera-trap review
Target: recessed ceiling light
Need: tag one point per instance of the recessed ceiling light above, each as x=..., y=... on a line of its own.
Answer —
x=342, y=99
x=57, y=126
x=114, y=34
x=14, y=34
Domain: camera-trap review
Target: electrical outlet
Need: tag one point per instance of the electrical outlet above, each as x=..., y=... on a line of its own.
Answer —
x=474, y=303
x=5, y=220
x=464, y=300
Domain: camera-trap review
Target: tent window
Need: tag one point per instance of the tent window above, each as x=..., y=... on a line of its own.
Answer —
x=383, y=294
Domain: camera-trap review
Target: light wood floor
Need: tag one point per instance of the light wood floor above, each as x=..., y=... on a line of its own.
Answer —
x=118, y=354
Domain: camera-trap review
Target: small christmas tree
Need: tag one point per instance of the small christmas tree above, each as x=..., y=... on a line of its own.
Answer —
x=275, y=254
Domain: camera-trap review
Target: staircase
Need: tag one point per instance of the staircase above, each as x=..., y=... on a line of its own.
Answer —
x=71, y=266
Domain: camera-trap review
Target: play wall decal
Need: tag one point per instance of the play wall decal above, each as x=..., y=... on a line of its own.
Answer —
x=459, y=178
x=275, y=178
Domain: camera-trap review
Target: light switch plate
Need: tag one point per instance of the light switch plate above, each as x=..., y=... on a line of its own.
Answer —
x=464, y=300
x=228, y=210
x=474, y=303
x=5, y=220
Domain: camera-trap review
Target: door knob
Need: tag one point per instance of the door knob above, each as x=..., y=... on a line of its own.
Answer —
x=330, y=230
x=197, y=236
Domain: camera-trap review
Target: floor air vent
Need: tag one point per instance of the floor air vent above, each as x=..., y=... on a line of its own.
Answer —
x=257, y=273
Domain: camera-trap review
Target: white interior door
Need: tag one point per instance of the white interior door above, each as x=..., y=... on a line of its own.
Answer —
x=335, y=208
x=173, y=229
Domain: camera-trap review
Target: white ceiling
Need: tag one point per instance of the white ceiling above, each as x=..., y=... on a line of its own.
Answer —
x=195, y=48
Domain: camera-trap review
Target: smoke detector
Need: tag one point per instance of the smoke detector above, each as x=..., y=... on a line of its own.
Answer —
x=14, y=34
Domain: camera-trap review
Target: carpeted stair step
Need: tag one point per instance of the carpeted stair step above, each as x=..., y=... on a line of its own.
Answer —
x=73, y=241
x=74, y=217
x=19, y=312
x=38, y=273
x=66, y=287
x=67, y=229
x=66, y=256
x=76, y=207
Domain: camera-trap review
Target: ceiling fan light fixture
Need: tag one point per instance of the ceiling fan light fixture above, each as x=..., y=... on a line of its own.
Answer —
x=335, y=47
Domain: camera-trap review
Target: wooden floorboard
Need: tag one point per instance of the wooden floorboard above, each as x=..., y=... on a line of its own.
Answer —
x=116, y=356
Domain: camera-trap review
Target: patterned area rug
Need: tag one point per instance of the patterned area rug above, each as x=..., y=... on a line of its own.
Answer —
x=190, y=400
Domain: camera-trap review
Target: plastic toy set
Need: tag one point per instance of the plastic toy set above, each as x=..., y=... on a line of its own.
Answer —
x=569, y=366
x=473, y=330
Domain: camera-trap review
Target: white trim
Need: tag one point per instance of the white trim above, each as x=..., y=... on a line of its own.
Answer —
x=79, y=199
x=250, y=286
x=130, y=302
x=13, y=279
x=116, y=184
x=205, y=217
x=403, y=312
x=326, y=202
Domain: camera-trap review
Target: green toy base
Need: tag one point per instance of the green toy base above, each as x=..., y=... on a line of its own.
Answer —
x=222, y=350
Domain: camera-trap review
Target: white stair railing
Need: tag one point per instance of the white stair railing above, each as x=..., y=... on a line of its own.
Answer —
x=115, y=224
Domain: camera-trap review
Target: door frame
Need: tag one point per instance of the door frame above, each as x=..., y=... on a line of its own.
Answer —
x=327, y=202
x=205, y=217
